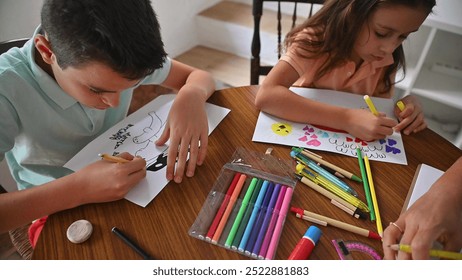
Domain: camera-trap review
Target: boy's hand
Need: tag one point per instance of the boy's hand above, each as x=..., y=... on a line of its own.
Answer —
x=104, y=181
x=187, y=128
x=411, y=119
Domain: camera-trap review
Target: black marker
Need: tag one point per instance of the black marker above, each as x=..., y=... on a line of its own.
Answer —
x=130, y=243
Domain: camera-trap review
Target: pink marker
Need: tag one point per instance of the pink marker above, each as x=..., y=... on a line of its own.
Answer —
x=272, y=224
x=306, y=244
x=280, y=222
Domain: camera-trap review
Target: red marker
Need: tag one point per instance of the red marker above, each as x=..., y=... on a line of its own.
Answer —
x=306, y=244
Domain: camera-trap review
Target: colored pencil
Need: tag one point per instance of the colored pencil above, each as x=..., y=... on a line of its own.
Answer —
x=323, y=220
x=113, y=158
x=331, y=170
x=357, y=213
x=342, y=171
x=321, y=171
x=378, y=220
x=432, y=253
x=306, y=172
x=365, y=183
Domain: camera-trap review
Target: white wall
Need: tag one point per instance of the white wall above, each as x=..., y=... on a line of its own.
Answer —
x=177, y=20
x=18, y=19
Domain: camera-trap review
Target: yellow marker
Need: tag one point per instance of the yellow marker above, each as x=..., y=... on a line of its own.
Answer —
x=401, y=105
x=378, y=221
x=432, y=252
x=370, y=105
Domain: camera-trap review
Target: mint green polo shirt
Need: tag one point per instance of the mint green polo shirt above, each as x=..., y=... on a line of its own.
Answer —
x=41, y=126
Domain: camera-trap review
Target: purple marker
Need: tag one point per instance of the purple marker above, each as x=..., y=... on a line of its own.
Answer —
x=278, y=228
x=261, y=215
x=260, y=234
x=272, y=224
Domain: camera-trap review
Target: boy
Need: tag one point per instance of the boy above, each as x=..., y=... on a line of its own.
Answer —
x=72, y=81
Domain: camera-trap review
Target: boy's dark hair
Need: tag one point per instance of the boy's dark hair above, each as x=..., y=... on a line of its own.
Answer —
x=337, y=25
x=122, y=34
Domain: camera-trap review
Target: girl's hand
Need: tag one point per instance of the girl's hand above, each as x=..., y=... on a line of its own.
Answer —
x=368, y=127
x=411, y=119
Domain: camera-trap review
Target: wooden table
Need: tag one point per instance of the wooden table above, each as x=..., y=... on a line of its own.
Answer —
x=162, y=227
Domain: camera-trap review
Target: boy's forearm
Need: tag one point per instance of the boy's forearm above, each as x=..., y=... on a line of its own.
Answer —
x=22, y=207
x=200, y=81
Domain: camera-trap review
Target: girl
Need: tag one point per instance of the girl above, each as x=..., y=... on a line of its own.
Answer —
x=353, y=46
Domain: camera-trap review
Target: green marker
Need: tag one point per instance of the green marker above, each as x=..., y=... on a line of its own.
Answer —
x=246, y=217
x=365, y=184
x=237, y=221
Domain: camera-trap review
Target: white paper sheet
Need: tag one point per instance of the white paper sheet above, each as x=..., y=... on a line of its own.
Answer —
x=426, y=177
x=270, y=129
x=136, y=134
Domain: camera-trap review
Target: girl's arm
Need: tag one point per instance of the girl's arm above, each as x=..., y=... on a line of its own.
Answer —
x=274, y=97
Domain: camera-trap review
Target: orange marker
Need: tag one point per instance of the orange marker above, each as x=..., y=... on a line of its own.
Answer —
x=229, y=208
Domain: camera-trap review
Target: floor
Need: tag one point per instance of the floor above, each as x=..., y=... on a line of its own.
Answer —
x=227, y=69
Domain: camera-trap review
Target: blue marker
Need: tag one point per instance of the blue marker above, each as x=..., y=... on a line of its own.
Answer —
x=253, y=217
x=262, y=230
x=259, y=221
x=321, y=171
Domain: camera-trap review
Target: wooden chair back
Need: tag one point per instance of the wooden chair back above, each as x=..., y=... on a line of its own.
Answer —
x=256, y=67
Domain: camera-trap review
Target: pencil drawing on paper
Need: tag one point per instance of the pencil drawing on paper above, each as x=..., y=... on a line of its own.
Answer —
x=142, y=135
x=137, y=134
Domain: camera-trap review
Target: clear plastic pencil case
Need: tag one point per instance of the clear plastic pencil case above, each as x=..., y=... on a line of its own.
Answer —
x=246, y=209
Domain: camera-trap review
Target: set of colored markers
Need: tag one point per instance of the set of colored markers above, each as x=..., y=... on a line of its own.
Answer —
x=251, y=216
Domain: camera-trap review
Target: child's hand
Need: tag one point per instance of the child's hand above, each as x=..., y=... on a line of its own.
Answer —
x=104, y=181
x=187, y=128
x=368, y=127
x=411, y=120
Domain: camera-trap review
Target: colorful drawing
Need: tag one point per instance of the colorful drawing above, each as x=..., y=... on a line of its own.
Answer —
x=281, y=129
x=270, y=129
